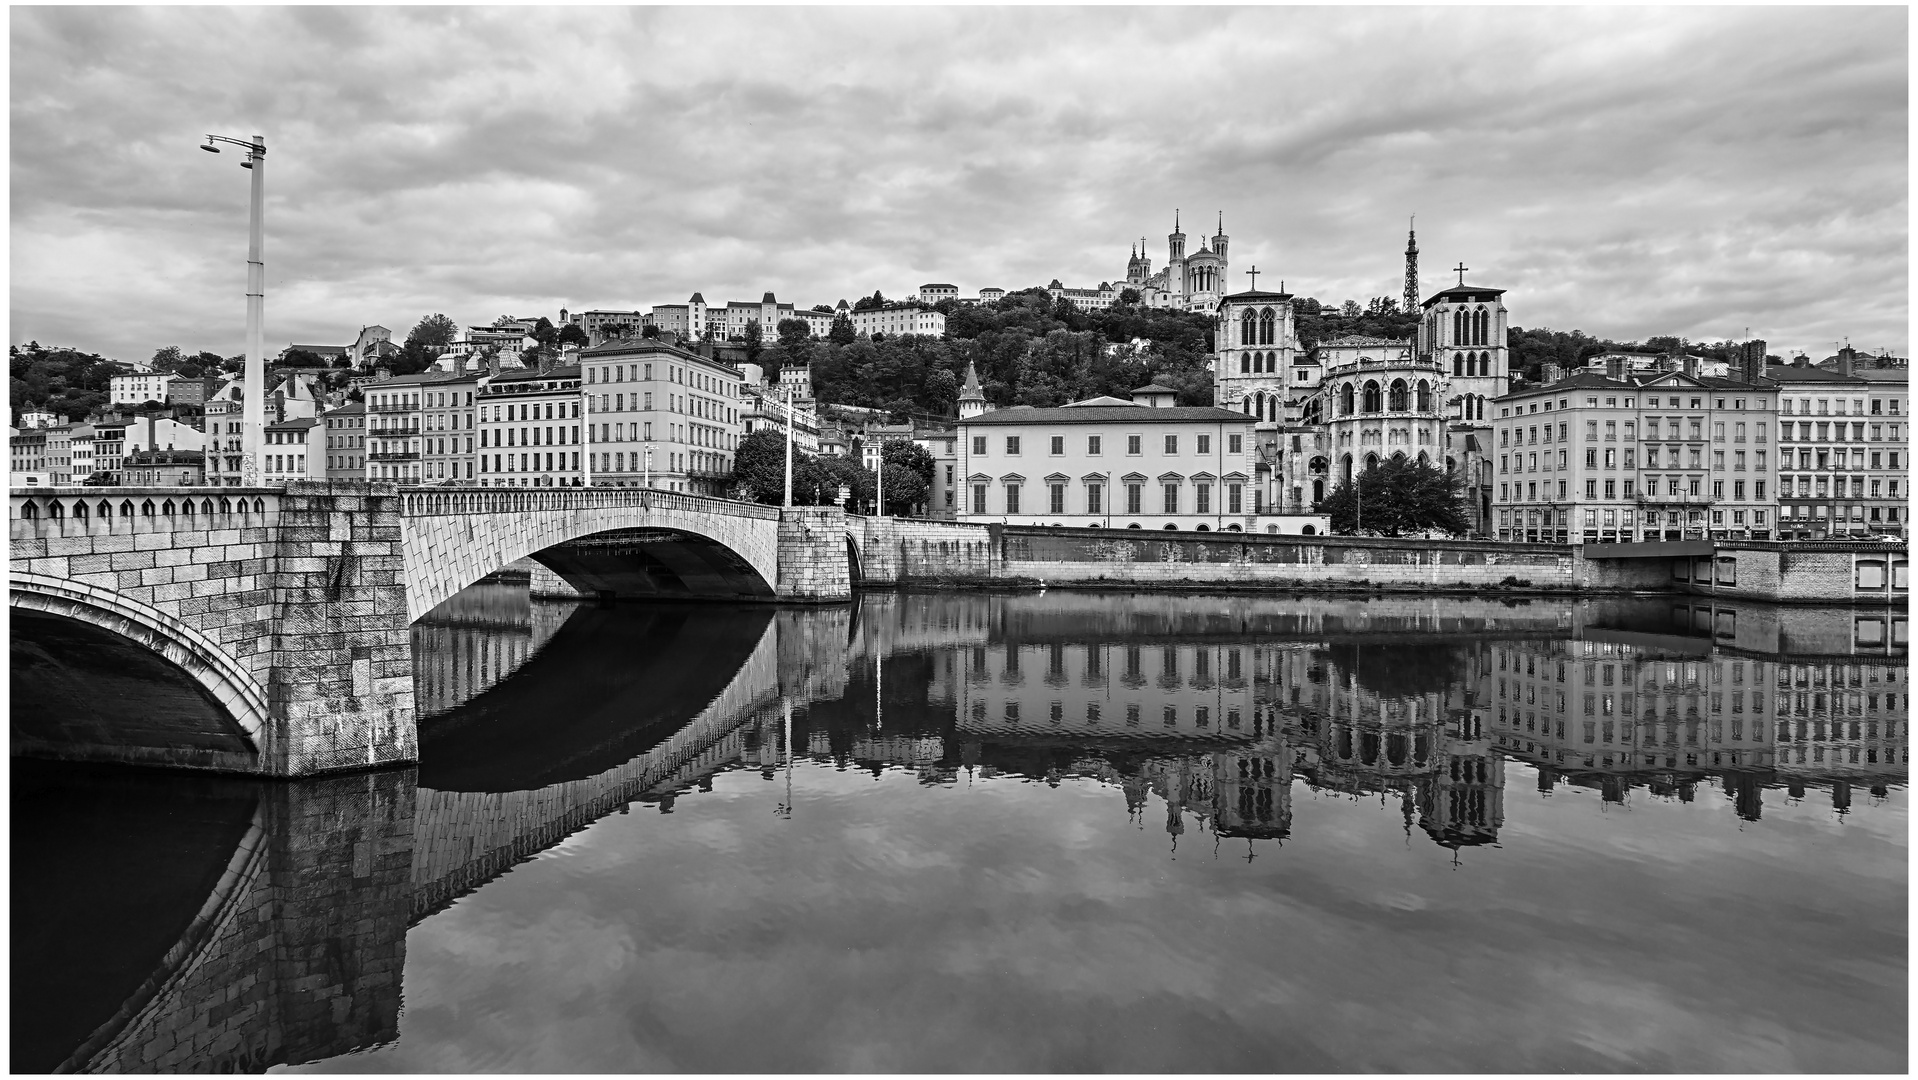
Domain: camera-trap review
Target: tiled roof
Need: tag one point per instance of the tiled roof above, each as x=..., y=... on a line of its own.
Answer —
x=1154, y=388
x=1110, y=414
x=570, y=371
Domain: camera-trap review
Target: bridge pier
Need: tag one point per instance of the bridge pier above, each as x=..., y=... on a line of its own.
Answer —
x=813, y=567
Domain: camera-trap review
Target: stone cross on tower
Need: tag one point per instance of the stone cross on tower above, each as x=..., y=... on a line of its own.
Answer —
x=1254, y=274
x=1461, y=268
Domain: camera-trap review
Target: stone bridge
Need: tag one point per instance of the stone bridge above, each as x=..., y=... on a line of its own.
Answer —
x=265, y=630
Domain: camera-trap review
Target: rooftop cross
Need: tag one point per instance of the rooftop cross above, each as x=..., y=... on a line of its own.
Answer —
x=1461, y=268
x=1254, y=273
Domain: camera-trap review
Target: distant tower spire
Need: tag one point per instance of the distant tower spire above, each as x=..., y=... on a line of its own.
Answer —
x=972, y=397
x=1412, y=266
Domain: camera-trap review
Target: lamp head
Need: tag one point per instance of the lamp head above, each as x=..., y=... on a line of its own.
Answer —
x=247, y=164
x=209, y=147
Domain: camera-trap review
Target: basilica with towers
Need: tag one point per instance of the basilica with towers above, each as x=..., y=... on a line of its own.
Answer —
x=1194, y=282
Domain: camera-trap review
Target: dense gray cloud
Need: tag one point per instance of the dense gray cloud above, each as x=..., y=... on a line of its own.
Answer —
x=1624, y=172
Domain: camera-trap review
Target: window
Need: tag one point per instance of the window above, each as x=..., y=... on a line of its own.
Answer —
x=1012, y=498
x=1058, y=445
x=1058, y=495
x=1092, y=445
x=1234, y=498
x=1235, y=444
x=1171, y=444
x=1095, y=499
x=1132, y=444
x=1202, y=495
x=978, y=498
x=1134, y=497
x=1012, y=445
x=979, y=445
x=1205, y=444
x=1171, y=499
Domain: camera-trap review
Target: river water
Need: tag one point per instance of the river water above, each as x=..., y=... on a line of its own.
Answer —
x=1069, y=831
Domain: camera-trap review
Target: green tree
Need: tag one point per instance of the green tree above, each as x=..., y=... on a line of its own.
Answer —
x=572, y=334
x=842, y=332
x=168, y=359
x=793, y=332
x=1396, y=497
x=832, y=473
x=759, y=468
x=1129, y=296
x=755, y=340
x=301, y=358
x=905, y=489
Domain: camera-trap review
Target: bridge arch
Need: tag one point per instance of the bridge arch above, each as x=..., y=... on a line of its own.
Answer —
x=454, y=538
x=230, y=687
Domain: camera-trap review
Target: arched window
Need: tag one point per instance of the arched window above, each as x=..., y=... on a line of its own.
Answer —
x=106, y=509
x=1345, y=468
x=1272, y=407
x=1400, y=397
x=28, y=511
x=1245, y=367
x=1266, y=321
x=1372, y=462
x=1374, y=400
x=1458, y=364
x=1451, y=465
x=1458, y=326
x=1318, y=493
x=1424, y=396
x=1314, y=414
x=1482, y=330
x=1258, y=405
x=1249, y=329
x=1345, y=400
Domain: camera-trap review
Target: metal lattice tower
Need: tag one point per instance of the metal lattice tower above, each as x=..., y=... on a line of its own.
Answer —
x=1412, y=268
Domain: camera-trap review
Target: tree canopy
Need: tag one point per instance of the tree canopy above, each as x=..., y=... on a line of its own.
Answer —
x=1397, y=497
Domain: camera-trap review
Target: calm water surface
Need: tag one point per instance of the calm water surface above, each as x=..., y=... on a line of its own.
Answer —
x=1084, y=832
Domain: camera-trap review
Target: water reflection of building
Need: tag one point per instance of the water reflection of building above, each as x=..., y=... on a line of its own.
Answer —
x=1426, y=743
x=479, y=637
x=1610, y=714
x=1185, y=691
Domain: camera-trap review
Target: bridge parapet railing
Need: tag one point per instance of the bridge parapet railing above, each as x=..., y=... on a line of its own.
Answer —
x=436, y=501
x=40, y=513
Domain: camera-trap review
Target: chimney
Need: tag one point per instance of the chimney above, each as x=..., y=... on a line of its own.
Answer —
x=545, y=362
x=1801, y=360
x=1550, y=373
x=492, y=364
x=1846, y=357
x=151, y=441
x=1690, y=364
x=1615, y=368
x=459, y=364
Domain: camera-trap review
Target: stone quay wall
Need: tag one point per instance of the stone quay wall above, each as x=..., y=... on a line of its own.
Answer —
x=917, y=552
x=1810, y=572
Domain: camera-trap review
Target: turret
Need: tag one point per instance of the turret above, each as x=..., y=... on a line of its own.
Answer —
x=972, y=396
x=1175, y=241
x=1219, y=241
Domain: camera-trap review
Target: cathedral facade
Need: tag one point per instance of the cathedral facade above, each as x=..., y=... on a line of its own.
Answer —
x=1326, y=413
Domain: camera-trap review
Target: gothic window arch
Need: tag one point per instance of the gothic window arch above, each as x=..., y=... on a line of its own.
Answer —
x=1399, y=399
x=1458, y=326
x=1245, y=364
x=1371, y=462
x=1249, y=329
x=1345, y=468
x=1424, y=396
x=1314, y=412
x=1458, y=364
x=1258, y=405
x=1374, y=399
x=1345, y=400
x=1266, y=322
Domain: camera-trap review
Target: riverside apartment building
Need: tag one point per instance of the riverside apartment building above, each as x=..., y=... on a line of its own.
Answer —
x=1661, y=456
x=659, y=414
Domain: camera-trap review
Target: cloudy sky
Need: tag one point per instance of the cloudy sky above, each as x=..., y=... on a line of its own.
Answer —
x=1626, y=172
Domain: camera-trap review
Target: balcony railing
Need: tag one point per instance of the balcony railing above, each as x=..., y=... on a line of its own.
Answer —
x=392, y=408
x=394, y=455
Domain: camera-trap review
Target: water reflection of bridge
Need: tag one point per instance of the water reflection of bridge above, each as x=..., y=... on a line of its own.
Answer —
x=551, y=717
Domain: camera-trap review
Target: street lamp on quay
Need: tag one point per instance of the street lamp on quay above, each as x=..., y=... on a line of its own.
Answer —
x=253, y=402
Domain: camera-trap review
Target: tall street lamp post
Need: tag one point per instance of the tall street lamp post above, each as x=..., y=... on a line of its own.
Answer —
x=253, y=404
